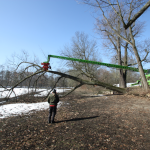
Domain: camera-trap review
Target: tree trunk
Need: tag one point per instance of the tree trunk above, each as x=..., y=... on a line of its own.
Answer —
x=122, y=83
x=143, y=77
x=125, y=64
x=142, y=74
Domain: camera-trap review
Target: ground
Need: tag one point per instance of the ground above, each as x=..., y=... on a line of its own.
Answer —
x=110, y=122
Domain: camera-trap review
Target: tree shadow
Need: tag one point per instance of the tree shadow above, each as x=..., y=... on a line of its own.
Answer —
x=77, y=119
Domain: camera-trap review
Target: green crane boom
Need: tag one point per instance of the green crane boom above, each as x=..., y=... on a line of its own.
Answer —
x=94, y=62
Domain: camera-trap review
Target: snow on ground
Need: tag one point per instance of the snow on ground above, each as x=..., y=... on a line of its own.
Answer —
x=128, y=84
x=24, y=108
x=17, y=91
x=20, y=91
x=47, y=91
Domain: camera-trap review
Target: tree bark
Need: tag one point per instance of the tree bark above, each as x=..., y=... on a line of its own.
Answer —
x=144, y=81
x=122, y=83
x=125, y=64
x=121, y=75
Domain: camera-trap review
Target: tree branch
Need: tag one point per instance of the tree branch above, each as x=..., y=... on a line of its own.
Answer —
x=137, y=15
x=8, y=95
x=72, y=90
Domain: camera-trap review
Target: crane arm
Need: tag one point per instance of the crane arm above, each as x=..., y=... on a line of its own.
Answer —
x=94, y=62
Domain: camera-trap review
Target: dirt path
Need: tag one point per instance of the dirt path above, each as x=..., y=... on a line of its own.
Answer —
x=114, y=122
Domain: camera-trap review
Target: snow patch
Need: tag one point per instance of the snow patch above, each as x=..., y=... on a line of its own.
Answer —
x=9, y=110
x=22, y=108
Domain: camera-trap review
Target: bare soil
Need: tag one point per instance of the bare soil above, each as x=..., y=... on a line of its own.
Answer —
x=83, y=122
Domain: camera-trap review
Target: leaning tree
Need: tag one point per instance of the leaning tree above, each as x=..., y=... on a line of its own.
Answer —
x=39, y=72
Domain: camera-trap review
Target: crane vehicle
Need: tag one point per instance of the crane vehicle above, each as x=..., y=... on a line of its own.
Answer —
x=46, y=65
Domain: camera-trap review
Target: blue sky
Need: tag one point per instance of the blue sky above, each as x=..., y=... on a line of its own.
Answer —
x=42, y=27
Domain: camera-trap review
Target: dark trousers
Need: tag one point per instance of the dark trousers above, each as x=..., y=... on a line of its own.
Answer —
x=52, y=113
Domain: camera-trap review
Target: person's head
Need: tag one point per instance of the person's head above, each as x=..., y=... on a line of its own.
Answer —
x=54, y=91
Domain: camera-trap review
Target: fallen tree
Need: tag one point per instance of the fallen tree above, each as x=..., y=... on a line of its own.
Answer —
x=40, y=72
x=83, y=82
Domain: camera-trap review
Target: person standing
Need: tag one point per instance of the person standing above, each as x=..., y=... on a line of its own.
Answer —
x=53, y=99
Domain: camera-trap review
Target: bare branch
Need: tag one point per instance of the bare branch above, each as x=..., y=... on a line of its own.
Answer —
x=72, y=90
x=32, y=65
x=137, y=15
x=144, y=59
x=21, y=82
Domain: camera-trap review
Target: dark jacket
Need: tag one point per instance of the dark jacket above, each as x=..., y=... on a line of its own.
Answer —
x=53, y=99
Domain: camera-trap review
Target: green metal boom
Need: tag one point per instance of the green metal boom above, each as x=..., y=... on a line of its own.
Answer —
x=96, y=63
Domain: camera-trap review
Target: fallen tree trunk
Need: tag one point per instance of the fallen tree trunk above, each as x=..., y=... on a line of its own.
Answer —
x=82, y=82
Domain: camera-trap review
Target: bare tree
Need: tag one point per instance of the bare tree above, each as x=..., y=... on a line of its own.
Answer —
x=144, y=5
x=82, y=48
x=115, y=44
x=144, y=50
x=124, y=11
